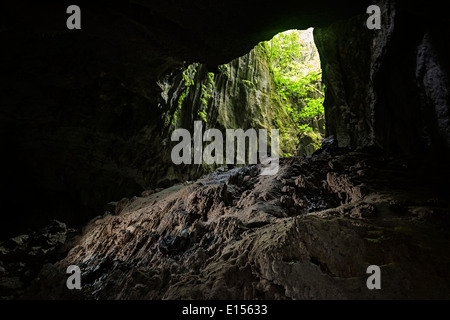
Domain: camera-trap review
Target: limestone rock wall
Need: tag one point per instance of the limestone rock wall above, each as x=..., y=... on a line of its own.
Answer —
x=81, y=117
x=389, y=87
x=242, y=95
x=308, y=232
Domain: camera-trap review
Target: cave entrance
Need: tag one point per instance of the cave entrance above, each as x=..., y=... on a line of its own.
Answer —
x=295, y=67
x=277, y=85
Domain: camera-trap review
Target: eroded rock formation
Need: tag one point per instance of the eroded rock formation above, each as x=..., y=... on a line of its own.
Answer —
x=309, y=232
x=393, y=94
x=81, y=126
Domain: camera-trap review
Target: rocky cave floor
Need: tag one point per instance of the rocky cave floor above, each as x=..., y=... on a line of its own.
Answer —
x=308, y=232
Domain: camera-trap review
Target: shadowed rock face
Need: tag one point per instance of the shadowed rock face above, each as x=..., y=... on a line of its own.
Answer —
x=80, y=122
x=80, y=126
x=394, y=94
x=81, y=119
x=309, y=232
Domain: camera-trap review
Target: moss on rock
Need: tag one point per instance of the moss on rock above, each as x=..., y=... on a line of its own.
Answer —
x=242, y=95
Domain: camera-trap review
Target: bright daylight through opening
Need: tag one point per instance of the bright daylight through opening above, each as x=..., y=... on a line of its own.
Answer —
x=295, y=63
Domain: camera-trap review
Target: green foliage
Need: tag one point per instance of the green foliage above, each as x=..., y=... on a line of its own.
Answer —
x=181, y=98
x=298, y=86
x=188, y=81
x=205, y=96
x=249, y=83
x=224, y=69
x=312, y=109
x=189, y=74
x=202, y=114
x=297, y=75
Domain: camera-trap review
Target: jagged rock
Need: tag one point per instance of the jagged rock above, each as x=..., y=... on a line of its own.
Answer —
x=23, y=256
x=364, y=86
x=341, y=184
x=110, y=207
x=147, y=193
x=121, y=205
x=221, y=240
x=385, y=88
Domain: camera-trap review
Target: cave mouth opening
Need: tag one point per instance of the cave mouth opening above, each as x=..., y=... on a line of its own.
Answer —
x=295, y=65
x=276, y=85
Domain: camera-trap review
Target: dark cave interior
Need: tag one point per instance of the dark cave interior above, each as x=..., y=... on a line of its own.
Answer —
x=81, y=126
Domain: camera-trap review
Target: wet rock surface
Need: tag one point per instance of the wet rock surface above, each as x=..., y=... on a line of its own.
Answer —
x=22, y=257
x=81, y=115
x=308, y=232
x=393, y=93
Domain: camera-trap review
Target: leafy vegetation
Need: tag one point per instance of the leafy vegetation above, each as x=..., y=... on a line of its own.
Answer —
x=297, y=74
x=294, y=105
x=207, y=91
x=225, y=69
x=188, y=81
